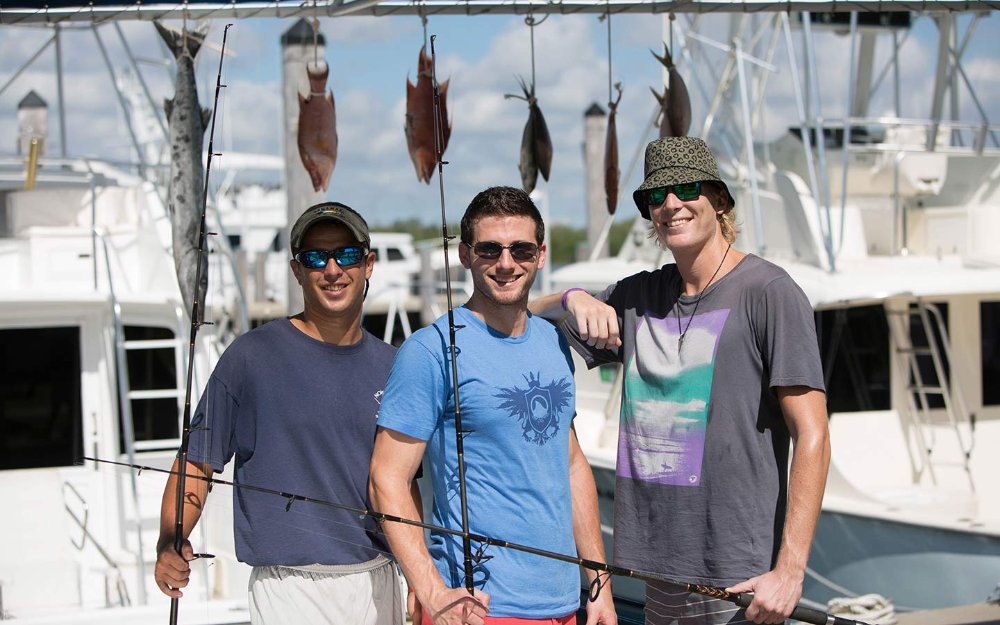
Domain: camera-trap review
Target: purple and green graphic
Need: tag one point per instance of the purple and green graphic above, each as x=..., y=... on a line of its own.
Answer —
x=665, y=399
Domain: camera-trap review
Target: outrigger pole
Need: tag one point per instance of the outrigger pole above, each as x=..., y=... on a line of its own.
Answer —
x=196, y=323
x=452, y=348
x=742, y=599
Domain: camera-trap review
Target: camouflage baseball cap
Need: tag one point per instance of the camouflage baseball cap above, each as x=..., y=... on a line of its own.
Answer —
x=676, y=160
x=329, y=211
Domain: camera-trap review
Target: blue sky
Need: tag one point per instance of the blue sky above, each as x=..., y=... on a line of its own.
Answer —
x=370, y=59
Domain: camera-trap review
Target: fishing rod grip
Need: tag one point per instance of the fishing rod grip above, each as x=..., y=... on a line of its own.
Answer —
x=800, y=613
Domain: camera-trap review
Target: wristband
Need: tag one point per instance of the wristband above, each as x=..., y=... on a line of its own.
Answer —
x=566, y=294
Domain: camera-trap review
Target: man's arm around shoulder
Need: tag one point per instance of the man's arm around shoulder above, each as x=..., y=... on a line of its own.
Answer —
x=597, y=322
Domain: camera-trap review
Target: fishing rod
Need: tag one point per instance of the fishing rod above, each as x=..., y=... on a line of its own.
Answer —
x=452, y=328
x=742, y=599
x=196, y=323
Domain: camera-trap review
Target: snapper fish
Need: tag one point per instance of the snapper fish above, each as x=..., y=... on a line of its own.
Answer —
x=611, y=171
x=420, y=126
x=318, y=128
x=536, y=144
x=675, y=103
x=187, y=123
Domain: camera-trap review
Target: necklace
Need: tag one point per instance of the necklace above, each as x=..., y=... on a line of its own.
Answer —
x=677, y=308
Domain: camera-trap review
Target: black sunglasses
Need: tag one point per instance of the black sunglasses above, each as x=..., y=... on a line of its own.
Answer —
x=343, y=256
x=684, y=192
x=519, y=250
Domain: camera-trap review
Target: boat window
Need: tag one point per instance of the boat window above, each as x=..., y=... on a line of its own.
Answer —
x=393, y=253
x=154, y=392
x=40, y=407
x=989, y=324
x=854, y=346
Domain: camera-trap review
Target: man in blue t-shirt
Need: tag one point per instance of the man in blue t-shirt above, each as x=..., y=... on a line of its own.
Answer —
x=526, y=479
x=294, y=402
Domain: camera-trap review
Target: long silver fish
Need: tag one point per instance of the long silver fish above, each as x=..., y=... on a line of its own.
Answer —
x=611, y=171
x=187, y=122
x=675, y=103
x=536, y=143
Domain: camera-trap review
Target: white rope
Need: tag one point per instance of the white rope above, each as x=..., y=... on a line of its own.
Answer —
x=872, y=608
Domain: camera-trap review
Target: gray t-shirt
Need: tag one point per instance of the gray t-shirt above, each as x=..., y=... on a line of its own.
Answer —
x=703, y=446
x=298, y=416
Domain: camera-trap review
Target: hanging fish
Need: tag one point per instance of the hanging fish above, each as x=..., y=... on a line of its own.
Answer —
x=611, y=172
x=318, y=128
x=536, y=144
x=187, y=122
x=420, y=119
x=675, y=103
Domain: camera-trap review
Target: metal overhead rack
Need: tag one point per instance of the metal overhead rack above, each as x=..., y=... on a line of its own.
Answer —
x=99, y=11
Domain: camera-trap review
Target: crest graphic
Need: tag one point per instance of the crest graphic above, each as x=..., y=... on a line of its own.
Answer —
x=536, y=407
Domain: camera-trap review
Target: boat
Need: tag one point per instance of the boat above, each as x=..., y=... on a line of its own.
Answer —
x=95, y=353
x=886, y=223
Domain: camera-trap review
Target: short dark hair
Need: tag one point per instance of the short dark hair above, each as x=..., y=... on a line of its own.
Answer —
x=501, y=202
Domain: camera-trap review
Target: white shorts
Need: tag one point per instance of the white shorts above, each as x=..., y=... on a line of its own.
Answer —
x=368, y=593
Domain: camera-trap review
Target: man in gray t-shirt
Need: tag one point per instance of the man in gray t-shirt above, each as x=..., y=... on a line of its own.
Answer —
x=721, y=371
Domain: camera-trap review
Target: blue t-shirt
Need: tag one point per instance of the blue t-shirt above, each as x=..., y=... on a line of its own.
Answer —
x=517, y=397
x=298, y=415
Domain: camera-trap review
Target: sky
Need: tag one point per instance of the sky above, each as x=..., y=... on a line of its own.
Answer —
x=371, y=58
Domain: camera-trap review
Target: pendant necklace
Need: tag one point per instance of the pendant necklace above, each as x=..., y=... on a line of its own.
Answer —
x=677, y=309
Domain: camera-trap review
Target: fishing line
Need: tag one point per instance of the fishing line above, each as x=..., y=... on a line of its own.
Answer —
x=802, y=613
x=196, y=322
x=460, y=433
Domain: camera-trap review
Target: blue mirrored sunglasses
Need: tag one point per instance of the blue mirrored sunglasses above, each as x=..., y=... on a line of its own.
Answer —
x=684, y=192
x=343, y=256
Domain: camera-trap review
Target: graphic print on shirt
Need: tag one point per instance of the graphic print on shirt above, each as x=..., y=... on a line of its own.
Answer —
x=537, y=407
x=665, y=403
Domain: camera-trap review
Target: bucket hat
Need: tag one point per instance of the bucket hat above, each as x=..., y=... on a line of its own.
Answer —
x=329, y=211
x=676, y=160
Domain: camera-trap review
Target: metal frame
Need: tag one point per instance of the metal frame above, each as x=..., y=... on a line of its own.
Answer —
x=99, y=12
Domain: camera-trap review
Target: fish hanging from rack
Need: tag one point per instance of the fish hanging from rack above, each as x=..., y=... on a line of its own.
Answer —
x=187, y=123
x=675, y=103
x=318, y=127
x=536, y=144
x=419, y=125
x=611, y=172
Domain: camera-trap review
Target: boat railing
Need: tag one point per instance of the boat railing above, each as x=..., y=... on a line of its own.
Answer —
x=119, y=581
x=896, y=134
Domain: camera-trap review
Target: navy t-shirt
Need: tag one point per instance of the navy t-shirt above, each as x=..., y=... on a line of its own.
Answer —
x=298, y=415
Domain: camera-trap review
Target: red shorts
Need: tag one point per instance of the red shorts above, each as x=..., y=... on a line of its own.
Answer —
x=569, y=619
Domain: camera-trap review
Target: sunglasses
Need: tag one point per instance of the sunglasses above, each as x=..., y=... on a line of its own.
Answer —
x=684, y=192
x=519, y=250
x=343, y=256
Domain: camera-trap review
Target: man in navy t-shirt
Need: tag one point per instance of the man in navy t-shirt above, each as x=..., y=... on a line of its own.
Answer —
x=295, y=402
x=526, y=479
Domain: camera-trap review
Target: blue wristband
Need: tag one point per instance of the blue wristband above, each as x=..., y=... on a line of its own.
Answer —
x=566, y=294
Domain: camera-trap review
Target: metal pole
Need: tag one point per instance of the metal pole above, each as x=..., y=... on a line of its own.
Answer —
x=59, y=91
x=758, y=229
x=846, y=132
x=824, y=185
x=121, y=102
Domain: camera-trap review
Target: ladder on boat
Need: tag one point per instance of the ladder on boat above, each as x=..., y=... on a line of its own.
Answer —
x=922, y=352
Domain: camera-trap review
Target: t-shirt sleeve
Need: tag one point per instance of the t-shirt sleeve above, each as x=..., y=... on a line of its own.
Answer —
x=788, y=341
x=590, y=354
x=414, y=396
x=213, y=426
